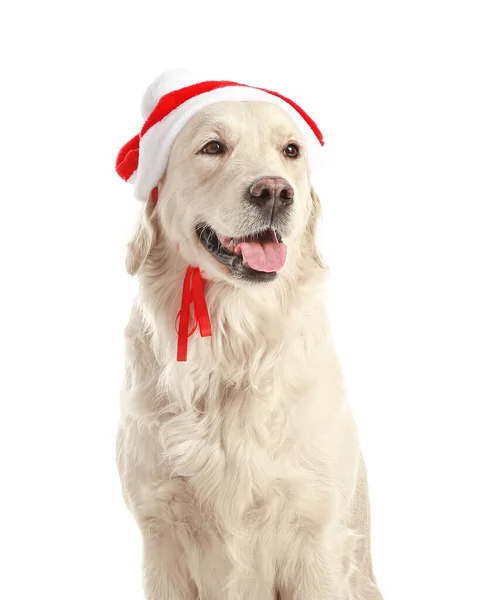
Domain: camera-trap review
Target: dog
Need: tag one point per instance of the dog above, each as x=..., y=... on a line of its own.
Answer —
x=241, y=464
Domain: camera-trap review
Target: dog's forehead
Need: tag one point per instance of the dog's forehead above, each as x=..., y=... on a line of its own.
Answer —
x=241, y=117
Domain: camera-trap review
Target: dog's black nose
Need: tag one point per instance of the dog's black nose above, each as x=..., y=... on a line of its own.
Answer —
x=271, y=190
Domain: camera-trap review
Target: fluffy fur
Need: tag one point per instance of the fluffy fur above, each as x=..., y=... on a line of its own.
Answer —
x=241, y=466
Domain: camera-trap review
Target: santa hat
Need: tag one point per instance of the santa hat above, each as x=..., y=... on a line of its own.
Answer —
x=168, y=104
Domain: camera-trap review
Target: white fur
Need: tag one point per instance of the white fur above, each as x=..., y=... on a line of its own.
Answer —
x=242, y=465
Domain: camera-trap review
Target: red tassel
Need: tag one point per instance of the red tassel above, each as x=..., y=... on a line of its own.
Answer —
x=127, y=159
x=192, y=292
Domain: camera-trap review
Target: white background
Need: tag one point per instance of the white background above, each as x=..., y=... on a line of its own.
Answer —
x=402, y=93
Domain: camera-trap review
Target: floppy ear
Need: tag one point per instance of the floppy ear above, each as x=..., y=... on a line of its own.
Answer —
x=143, y=238
x=311, y=230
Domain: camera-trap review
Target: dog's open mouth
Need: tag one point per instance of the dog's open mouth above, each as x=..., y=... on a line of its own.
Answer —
x=256, y=257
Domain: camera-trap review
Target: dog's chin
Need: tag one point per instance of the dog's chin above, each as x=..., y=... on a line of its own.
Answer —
x=226, y=252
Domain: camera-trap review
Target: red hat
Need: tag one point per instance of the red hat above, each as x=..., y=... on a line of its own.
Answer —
x=168, y=104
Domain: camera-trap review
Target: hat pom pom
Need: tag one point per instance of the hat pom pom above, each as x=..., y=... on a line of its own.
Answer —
x=168, y=81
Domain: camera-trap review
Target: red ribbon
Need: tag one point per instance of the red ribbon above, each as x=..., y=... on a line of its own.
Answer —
x=192, y=292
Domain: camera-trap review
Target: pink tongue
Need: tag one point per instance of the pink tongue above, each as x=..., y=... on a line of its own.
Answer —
x=266, y=256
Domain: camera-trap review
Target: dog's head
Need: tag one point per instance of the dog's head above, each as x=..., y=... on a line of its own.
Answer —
x=236, y=198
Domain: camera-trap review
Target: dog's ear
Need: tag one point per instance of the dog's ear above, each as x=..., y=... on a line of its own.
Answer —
x=311, y=230
x=143, y=238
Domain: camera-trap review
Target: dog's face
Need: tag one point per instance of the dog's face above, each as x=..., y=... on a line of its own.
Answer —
x=236, y=194
x=236, y=191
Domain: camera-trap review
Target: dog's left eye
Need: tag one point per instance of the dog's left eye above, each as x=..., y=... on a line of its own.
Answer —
x=292, y=151
x=213, y=147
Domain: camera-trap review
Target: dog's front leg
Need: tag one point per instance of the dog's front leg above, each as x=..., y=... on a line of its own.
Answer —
x=334, y=564
x=318, y=568
x=165, y=574
x=306, y=573
x=358, y=559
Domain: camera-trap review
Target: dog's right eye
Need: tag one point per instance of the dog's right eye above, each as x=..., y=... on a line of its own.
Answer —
x=213, y=147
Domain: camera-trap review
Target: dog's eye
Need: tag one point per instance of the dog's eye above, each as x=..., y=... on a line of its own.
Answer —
x=292, y=151
x=213, y=147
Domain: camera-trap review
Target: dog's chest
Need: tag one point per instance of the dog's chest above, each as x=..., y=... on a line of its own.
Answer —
x=250, y=455
x=255, y=440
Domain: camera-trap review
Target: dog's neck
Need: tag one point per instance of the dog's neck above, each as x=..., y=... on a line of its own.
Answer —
x=252, y=312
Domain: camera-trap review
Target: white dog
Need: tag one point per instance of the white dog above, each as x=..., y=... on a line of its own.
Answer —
x=241, y=464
